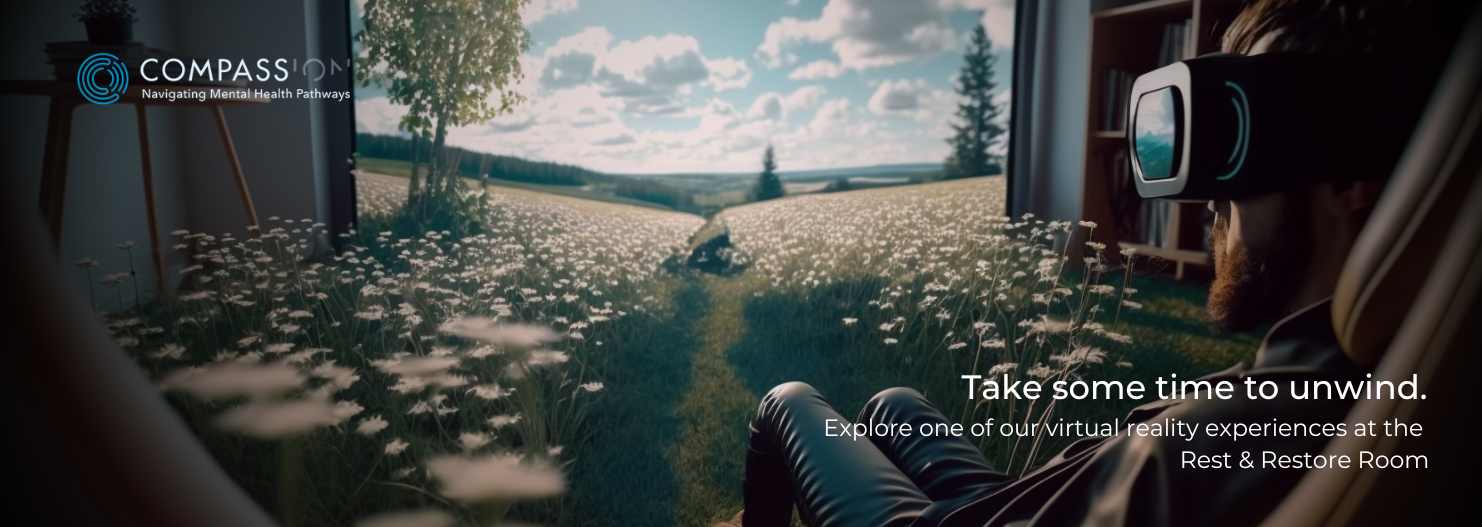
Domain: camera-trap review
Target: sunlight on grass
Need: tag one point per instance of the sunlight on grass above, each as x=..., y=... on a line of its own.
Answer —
x=416, y=376
x=918, y=285
x=555, y=370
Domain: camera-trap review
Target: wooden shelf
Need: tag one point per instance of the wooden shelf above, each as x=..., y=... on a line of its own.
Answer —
x=1129, y=38
x=1173, y=255
x=1146, y=10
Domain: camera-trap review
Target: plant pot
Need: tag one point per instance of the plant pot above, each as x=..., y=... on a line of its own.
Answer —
x=109, y=31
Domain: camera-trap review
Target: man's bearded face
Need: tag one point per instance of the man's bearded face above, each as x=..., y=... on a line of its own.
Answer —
x=1259, y=268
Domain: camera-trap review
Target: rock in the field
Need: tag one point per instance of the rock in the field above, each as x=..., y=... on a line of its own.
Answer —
x=710, y=251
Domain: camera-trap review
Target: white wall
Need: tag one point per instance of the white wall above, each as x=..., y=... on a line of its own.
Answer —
x=274, y=140
x=105, y=193
x=281, y=144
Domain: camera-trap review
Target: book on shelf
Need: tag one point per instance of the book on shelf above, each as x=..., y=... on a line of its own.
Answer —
x=1151, y=216
x=1116, y=86
x=1116, y=83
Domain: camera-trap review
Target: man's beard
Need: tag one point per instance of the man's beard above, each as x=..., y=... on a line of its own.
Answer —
x=1253, y=287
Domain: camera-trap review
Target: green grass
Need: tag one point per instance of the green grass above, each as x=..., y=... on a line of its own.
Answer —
x=750, y=340
x=664, y=443
x=403, y=169
x=667, y=442
x=626, y=476
x=680, y=429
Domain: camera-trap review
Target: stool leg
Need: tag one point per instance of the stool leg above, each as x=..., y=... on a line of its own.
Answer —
x=231, y=154
x=54, y=166
x=149, y=211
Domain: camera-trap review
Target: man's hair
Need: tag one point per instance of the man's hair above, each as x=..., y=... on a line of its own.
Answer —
x=1416, y=30
x=1417, y=34
x=1392, y=40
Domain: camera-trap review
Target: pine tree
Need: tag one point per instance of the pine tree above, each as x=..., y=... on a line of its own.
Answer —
x=768, y=185
x=977, y=129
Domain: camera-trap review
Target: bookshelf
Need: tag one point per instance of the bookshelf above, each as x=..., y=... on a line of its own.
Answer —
x=1127, y=41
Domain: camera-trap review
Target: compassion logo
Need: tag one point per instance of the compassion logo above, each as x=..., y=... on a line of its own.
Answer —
x=102, y=78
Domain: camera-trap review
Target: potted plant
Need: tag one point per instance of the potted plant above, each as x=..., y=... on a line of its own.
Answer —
x=109, y=22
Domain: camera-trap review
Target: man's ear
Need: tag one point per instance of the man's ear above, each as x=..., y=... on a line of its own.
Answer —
x=1360, y=196
x=1350, y=197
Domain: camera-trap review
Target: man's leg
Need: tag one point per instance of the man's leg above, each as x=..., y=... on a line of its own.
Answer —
x=943, y=467
x=834, y=480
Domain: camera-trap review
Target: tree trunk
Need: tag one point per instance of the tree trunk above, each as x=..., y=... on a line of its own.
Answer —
x=440, y=136
x=483, y=171
x=454, y=174
x=413, y=188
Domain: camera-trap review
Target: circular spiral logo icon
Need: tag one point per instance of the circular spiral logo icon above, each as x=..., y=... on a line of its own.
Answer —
x=102, y=78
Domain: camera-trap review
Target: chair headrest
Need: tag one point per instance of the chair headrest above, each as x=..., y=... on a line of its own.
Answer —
x=1407, y=229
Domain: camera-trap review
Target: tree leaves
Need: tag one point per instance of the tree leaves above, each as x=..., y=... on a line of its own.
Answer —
x=450, y=62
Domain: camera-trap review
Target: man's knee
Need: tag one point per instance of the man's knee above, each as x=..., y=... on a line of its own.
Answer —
x=778, y=405
x=787, y=393
x=892, y=400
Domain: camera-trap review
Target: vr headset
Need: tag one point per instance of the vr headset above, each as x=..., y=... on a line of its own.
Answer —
x=1223, y=127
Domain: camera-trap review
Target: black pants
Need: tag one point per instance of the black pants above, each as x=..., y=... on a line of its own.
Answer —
x=838, y=481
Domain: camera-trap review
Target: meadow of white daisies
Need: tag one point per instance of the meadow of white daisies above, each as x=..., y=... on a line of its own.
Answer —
x=931, y=282
x=429, y=379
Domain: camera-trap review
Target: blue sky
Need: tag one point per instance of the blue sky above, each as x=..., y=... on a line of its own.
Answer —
x=651, y=86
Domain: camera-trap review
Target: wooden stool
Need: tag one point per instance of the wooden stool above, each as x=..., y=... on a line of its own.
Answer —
x=65, y=99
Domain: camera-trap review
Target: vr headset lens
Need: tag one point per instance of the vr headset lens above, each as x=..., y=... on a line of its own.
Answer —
x=1155, y=133
x=1227, y=127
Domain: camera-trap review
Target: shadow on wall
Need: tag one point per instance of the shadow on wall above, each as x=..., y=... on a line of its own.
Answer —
x=284, y=146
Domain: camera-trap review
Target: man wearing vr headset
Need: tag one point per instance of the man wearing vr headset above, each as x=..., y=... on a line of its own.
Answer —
x=1280, y=239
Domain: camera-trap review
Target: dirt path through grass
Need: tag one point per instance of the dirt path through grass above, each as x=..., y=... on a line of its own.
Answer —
x=626, y=475
x=738, y=341
x=709, y=454
x=669, y=445
x=668, y=449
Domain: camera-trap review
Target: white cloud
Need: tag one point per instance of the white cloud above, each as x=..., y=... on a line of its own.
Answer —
x=668, y=60
x=511, y=123
x=874, y=33
x=615, y=140
x=572, y=60
x=864, y=33
x=776, y=106
x=716, y=116
x=997, y=19
x=728, y=74
x=897, y=96
x=594, y=99
x=931, y=111
x=818, y=69
x=591, y=40
x=538, y=10
x=570, y=69
x=649, y=75
x=803, y=98
x=830, y=116
x=589, y=117
x=766, y=106
x=377, y=115
x=1005, y=100
x=745, y=138
x=787, y=31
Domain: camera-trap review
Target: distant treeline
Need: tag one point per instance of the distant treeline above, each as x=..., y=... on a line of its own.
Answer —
x=500, y=167
x=526, y=171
